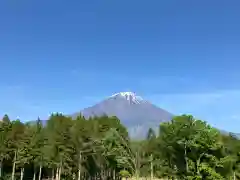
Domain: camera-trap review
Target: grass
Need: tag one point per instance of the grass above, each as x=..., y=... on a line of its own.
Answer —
x=145, y=178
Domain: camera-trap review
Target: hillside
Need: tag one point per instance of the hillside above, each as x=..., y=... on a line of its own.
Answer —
x=137, y=114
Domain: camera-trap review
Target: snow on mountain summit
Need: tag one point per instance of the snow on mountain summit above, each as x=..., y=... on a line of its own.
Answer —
x=130, y=96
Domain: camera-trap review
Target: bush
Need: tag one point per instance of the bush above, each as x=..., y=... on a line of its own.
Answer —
x=124, y=174
x=6, y=177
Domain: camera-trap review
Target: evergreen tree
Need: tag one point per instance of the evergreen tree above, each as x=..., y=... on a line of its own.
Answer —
x=4, y=141
x=100, y=148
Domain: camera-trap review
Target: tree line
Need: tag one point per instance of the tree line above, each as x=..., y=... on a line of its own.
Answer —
x=100, y=148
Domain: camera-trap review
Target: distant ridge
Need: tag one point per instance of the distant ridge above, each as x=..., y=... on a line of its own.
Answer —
x=137, y=114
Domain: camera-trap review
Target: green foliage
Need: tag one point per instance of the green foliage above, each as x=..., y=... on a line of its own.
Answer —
x=124, y=174
x=194, y=149
x=209, y=173
x=4, y=140
x=6, y=119
x=151, y=134
x=186, y=148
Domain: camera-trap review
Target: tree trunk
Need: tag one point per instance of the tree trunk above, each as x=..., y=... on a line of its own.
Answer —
x=14, y=165
x=234, y=175
x=136, y=170
x=79, y=166
x=57, y=173
x=22, y=173
x=197, y=166
x=1, y=164
x=102, y=173
x=60, y=172
x=79, y=174
x=198, y=163
x=114, y=174
x=52, y=173
x=40, y=173
x=151, y=167
x=34, y=175
x=185, y=156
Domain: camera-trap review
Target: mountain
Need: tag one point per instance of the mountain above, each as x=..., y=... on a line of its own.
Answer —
x=137, y=114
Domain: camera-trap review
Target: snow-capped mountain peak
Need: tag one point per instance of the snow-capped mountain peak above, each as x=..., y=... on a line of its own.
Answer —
x=130, y=96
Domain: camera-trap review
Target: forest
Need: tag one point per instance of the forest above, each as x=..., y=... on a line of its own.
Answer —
x=100, y=148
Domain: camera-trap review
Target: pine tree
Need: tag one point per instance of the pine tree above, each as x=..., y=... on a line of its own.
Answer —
x=4, y=141
x=6, y=119
x=16, y=136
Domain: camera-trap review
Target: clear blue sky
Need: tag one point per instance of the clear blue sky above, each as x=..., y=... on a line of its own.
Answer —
x=65, y=55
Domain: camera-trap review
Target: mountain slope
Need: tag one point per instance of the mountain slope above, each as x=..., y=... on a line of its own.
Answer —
x=135, y=113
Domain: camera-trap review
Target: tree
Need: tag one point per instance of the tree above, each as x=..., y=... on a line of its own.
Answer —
x=6, y=119
x=24, y=152
x=118, y=148
x=81, y=142
x=16, y=138
x=4, y=141
x=37, y=145
x=151, y=134
x=231, y=162
x=58, y=131
x=188, y=143
x=100, y=148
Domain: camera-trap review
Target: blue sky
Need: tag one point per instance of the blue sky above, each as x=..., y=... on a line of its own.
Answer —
x=65, y=55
